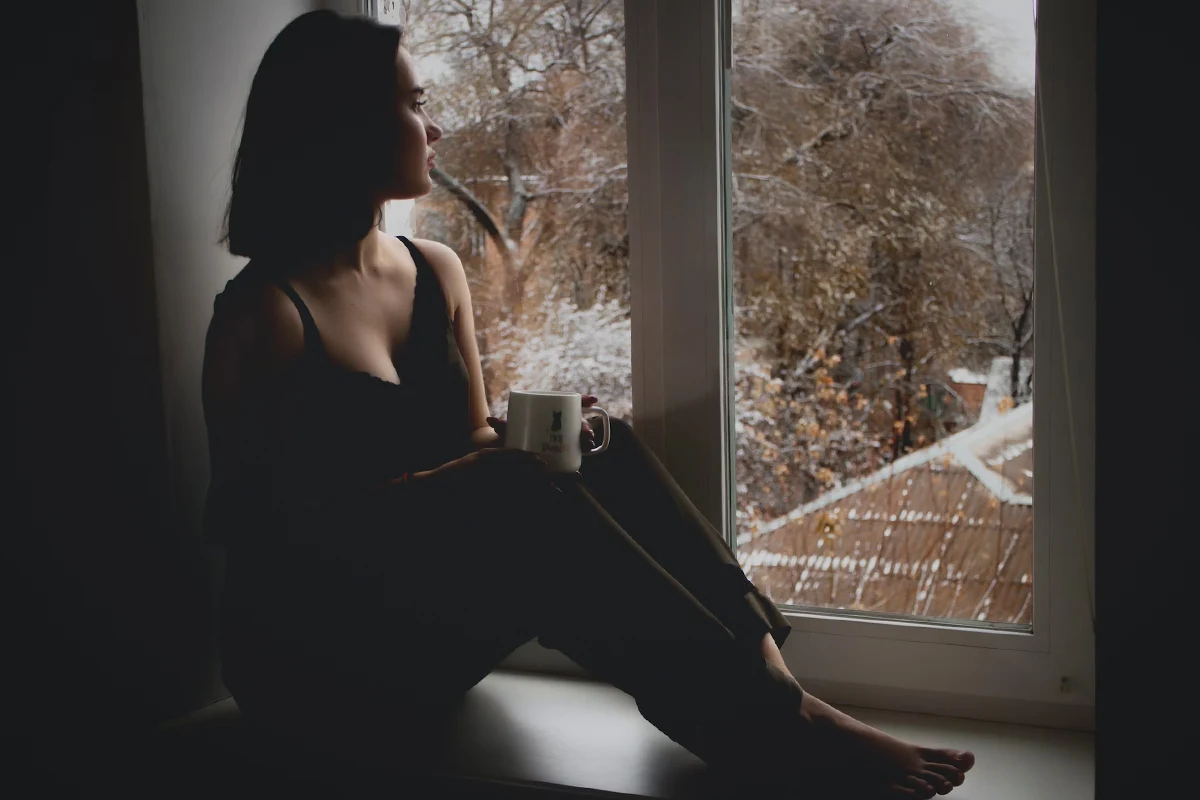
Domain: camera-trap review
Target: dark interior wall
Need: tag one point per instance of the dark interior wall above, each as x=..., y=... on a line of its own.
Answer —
x=1148, y=439
x=112, y=603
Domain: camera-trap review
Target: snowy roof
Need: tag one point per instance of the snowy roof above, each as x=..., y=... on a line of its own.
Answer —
x=973, y=448
x=944, y=531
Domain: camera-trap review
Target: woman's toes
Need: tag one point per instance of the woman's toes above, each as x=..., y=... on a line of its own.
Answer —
x=962, y=759
x=940, y=785
x=922, y=789
x=947, y=771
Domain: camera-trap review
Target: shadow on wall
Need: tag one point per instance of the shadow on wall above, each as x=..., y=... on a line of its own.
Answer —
x=114, y=606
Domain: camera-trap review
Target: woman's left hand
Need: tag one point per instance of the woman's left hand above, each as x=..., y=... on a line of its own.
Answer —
x=587, y=437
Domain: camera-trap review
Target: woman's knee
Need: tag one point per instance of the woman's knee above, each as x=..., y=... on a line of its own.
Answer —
x=621, y=427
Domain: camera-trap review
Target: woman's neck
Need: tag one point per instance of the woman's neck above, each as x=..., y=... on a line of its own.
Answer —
x=359, y=258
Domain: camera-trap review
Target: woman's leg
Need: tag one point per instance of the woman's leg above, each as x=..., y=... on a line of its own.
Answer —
x=465, y=573
x=474, y=571
x=635, y=488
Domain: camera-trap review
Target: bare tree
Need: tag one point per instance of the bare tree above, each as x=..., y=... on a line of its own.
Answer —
x=1002, y=238
x=866, y=137
x=878, y=175
x=535, y=153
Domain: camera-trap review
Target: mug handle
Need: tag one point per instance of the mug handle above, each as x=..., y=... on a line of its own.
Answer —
x=607, y=431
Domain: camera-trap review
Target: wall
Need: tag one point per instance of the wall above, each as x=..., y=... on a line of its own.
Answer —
x=114, y=590
x=197, y=63
x=112, y=604
x=1146, y=419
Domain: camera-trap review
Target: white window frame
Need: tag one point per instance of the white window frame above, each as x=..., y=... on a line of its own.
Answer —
x=681, y=312
x=397, y=214
x=677, y=83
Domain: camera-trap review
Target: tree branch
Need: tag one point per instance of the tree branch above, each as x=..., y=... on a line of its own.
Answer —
x=514, y=220
x=825, y=337
x=1002, y=345
x=775, y=74
x=480, y=212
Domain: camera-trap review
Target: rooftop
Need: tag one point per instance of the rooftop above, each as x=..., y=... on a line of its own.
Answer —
x=946, y=531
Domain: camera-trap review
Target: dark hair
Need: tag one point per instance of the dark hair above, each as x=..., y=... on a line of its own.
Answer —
x=318, y=138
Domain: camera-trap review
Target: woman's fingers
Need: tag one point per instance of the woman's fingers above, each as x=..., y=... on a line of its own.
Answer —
x=500, y=427
x=587, y=437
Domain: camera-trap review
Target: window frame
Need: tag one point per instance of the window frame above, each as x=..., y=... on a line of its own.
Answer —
x=676, y=72
x=677, y=68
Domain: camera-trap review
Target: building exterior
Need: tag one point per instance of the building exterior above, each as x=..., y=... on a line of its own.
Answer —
x=946, y=531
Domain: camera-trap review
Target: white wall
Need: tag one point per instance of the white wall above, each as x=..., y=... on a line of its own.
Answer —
x=198, y=59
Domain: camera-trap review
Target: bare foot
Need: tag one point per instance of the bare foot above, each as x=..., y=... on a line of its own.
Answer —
x=891, y=768
x=839, y=748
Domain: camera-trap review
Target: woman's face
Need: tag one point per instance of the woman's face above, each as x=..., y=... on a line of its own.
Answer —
x=414, y=154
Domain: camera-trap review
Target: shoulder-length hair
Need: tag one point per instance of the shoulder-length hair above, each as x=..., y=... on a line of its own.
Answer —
x=318, y=139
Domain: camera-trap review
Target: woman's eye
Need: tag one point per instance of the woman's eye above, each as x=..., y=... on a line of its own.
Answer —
x=420, y=103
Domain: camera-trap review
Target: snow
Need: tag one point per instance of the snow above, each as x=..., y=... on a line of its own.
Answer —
x=572, y=350
x=965, y=376
x=999, y=385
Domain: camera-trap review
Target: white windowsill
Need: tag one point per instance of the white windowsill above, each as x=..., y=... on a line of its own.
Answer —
x=601, y=743
x=877, y=688
x=536, y=735
x=1012, y=760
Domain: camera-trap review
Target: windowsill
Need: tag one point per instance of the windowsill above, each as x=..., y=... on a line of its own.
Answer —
x=524, y=734
x=874, y=691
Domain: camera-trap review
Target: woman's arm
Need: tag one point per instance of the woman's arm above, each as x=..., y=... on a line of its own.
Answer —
x=251, y=339
x=458, y=301
x=449, y=269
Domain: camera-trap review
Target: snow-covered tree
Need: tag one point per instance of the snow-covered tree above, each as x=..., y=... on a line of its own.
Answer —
x=873, y=148
x=866, y=138
x=561, y=347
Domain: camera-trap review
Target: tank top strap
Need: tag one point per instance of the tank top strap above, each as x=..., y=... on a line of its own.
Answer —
x=312, y=337
x=429, y=288
x=417, y=256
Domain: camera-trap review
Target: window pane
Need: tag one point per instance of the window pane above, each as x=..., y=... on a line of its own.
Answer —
x=532, y=99
x=882, y=159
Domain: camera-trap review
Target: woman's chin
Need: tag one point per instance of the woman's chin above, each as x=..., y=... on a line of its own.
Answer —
x=412, y=192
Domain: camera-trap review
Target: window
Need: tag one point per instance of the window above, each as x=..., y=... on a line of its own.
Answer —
x=733, y=223
x=531, y=186
x=882, y=231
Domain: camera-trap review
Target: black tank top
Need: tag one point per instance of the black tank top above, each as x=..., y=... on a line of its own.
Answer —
x=352, y=430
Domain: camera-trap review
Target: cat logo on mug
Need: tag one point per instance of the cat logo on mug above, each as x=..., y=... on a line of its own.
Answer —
x=556, y=425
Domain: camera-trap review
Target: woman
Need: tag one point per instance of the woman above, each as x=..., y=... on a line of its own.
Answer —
x=384, y=549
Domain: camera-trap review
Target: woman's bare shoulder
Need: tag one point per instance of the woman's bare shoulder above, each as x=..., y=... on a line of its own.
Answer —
x=449, y=269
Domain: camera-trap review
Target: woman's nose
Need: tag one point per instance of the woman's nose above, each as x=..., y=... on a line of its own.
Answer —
x=433, y=132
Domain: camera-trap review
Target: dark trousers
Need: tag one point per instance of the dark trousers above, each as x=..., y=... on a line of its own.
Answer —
x=412, y=599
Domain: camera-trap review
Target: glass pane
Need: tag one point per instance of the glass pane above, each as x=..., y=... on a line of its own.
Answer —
x=882, y=159
x=532, y=100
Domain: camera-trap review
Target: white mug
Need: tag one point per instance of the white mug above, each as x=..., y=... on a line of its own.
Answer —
x=549, y=423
